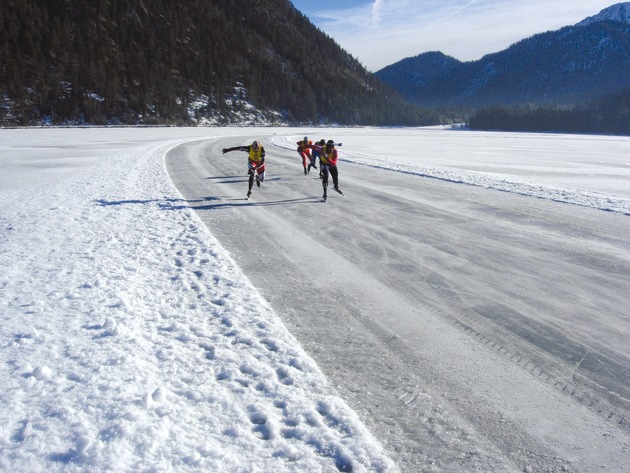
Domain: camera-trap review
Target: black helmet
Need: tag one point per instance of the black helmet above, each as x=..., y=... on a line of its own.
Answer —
x=322, y=142
x=255, y=145
x=330, y=144
x=306, y=139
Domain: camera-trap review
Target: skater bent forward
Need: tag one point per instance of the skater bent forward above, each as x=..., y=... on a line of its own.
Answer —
x=255, y=163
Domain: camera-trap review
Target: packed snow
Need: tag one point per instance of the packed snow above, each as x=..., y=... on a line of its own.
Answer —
x=131, y=341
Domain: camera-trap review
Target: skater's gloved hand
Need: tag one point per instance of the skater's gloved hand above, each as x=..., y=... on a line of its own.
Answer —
x=224, y=150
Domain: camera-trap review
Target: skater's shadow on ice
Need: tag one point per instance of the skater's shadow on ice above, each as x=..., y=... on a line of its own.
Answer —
x=164, y=204
x=228, y=179
x=237, y=179
x=238, y=202
x=106, y=203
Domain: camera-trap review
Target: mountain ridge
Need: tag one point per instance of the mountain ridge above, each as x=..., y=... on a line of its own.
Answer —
x=571, y=65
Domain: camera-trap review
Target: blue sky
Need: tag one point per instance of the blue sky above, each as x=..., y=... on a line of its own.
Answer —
x=381, y=32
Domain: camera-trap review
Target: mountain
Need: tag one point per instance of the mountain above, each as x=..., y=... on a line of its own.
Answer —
x=569, y=66
x=182, y=62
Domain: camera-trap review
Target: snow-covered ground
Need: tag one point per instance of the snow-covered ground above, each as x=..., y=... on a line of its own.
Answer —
x=131, y=341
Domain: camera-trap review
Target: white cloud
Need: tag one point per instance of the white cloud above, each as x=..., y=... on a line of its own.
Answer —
x=376, y=12
x=464, y=7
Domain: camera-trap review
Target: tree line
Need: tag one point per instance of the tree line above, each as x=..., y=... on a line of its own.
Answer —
x=610, y=115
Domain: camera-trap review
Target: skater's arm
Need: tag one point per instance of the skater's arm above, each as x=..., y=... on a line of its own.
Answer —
x=235, y=148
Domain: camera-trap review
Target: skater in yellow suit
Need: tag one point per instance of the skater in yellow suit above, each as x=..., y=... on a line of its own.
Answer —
x=255, y=163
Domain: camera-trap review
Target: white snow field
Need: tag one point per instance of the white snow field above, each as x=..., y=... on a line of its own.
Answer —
x=148, y=323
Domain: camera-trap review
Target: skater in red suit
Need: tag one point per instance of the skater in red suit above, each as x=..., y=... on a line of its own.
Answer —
x=328, y=165
x=304, y=151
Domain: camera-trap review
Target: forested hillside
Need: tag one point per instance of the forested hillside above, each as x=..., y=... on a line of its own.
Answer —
x=181, y=62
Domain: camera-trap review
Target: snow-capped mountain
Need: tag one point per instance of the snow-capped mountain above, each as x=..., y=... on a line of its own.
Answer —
x=619, y=12
x=570, y=66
